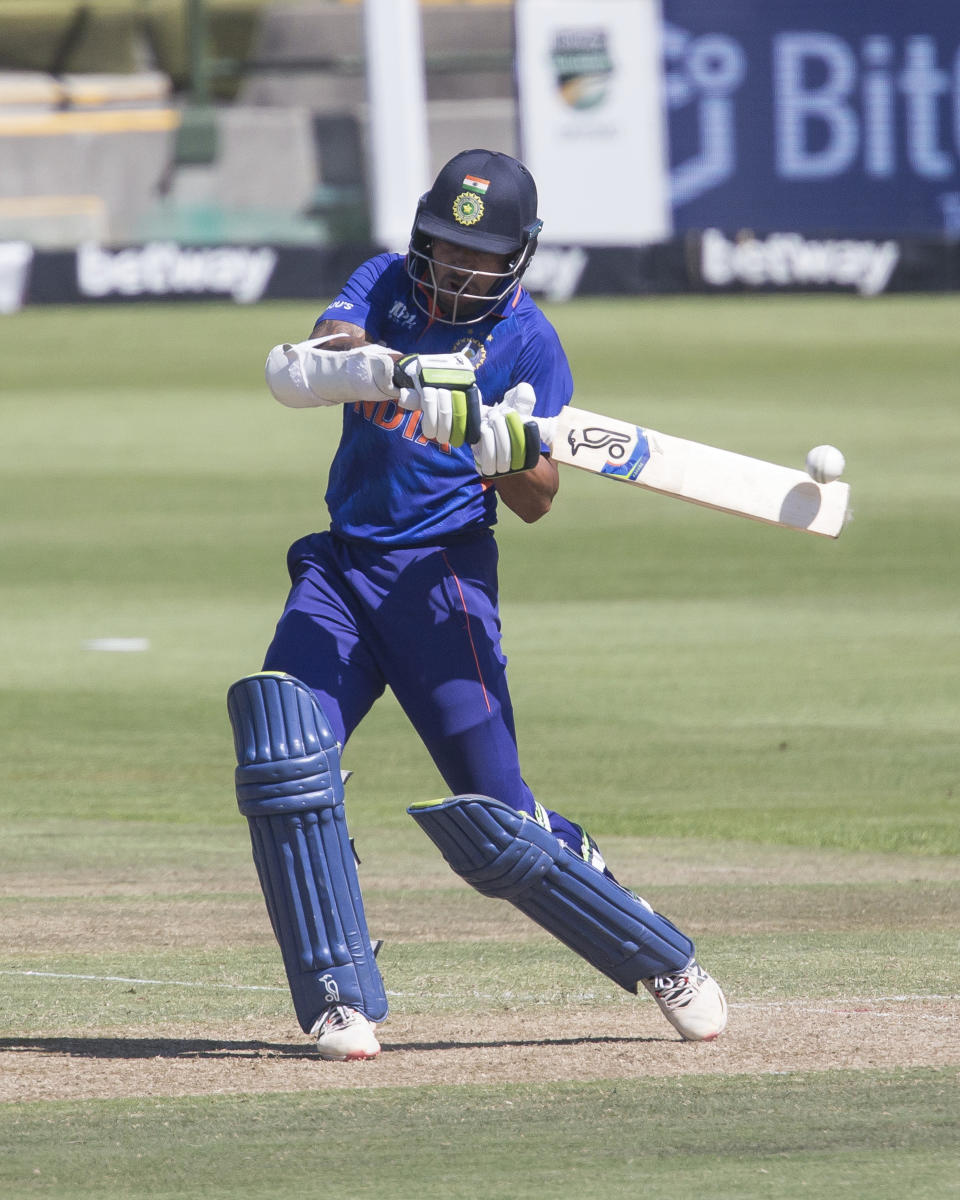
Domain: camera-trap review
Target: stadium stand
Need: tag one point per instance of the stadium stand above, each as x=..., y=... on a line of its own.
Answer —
x=106, y=133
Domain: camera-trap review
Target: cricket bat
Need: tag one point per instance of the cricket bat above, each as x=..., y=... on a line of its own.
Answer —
x=720, y=479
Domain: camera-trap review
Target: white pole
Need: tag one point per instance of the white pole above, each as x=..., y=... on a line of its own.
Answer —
x=399, y=158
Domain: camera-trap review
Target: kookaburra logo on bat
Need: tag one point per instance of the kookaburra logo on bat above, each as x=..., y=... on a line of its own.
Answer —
x=597, y=438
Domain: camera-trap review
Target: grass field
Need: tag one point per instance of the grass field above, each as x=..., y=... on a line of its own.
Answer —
x=760, y=728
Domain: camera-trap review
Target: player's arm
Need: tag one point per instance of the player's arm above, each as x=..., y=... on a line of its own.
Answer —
x=442, y=386
x=348, y=335
x=530, y=494
x=338, y=365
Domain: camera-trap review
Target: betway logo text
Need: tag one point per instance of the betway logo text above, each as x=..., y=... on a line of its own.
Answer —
x=166, y=269
x=789, y=260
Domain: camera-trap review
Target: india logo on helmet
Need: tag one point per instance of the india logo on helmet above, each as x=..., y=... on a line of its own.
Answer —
x=467, y=209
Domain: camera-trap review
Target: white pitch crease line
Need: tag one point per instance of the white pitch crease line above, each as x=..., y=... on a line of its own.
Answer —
x=197, y=983
x=841, y=1004
x=232, y=987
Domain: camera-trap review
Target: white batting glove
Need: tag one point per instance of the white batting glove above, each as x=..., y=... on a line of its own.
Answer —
x=509, y=439
x=308, y=375
x=444, y=388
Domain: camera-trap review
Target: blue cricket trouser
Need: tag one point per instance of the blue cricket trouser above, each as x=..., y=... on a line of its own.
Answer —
x=425, y=622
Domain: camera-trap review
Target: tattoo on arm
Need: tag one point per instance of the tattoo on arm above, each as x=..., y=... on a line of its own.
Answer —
x=350, y=335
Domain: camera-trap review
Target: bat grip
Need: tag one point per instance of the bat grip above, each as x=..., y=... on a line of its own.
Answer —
x=547, y=427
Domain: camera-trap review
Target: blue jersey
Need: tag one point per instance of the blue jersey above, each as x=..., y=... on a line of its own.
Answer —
x=388, y=483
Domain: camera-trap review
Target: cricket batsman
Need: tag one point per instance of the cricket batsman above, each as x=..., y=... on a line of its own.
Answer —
x=437, y=360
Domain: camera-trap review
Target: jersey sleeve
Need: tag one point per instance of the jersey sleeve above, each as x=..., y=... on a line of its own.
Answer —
x=361, y=299
x=543, y=363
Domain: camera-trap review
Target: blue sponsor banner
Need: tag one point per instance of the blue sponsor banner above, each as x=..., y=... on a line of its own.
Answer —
x=814, y=116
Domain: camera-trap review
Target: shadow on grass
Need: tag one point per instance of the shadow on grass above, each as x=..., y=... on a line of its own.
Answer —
x=524, y=1043
x=137, y=1048
x=174, y=1048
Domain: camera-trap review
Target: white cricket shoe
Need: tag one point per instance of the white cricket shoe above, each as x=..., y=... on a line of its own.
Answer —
x=692, y=1002
x=345, y=1035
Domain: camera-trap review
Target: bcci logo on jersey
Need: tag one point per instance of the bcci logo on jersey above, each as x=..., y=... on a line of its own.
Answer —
x=474, y=350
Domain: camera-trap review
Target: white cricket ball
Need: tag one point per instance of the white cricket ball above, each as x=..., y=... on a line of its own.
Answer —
x=825, y=463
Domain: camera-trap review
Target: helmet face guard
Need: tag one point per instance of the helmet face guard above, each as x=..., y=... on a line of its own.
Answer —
x=482, y=201
x=479, y=294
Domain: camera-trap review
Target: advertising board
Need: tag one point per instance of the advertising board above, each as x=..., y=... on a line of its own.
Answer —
x=814, y=117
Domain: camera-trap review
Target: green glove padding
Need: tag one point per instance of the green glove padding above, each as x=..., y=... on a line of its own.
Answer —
x=434, y=377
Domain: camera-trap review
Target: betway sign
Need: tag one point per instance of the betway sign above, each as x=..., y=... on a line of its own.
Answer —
x=787, y=260
x=165, y=269
x=814, y=116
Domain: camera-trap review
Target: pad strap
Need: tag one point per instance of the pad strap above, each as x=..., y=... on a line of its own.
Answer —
x=290, y=790
x=503, y=853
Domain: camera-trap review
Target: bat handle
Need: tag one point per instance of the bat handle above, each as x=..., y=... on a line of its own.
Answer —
x=548, y=427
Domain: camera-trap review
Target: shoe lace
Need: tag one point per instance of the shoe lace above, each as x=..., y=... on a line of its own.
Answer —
x=678, y=989
x=336, y=1017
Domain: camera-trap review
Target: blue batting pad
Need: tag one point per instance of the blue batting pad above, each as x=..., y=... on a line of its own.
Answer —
x=290, y=790
x=506, y=854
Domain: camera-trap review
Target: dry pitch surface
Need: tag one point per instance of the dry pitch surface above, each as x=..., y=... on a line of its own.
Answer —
x=544, y=1046
x=508, y=1040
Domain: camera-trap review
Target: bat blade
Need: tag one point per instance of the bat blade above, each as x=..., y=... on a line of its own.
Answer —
x=700, y=474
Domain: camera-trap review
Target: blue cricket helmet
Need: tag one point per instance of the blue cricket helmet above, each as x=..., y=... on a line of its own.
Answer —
x=482, y=200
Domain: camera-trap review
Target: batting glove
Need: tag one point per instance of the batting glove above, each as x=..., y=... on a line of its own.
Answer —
x=444, y=388
x=509, y=439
